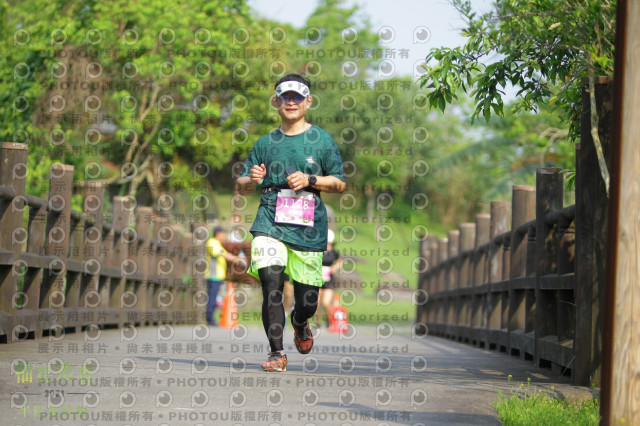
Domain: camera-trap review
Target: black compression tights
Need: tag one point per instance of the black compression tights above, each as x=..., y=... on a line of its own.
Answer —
x=305, y=297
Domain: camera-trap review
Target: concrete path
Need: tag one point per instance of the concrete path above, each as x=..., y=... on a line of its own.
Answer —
x=191, y=375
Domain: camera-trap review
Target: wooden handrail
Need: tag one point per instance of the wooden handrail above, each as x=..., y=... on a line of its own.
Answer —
x=112, y=272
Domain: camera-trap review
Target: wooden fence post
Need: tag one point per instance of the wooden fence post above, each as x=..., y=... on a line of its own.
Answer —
x=566, y=298
x=13, y=159
x=52, y=295
x=500, y=218
x=443, y=251
x=106, y=314
x=183, y=244
x=162, y=298
x=185, y=295
x=453, y=237
x=153, y=283
x=591, y=235
x=433, y=282
x=483, y=224
x=93, y=200
x=620, y=360
x=549, y=197
x=467, y=243
x=505, y=307
x=174, y=278
x=423, y=253
x=75, y=264
x=143, y=227
x=523, y=210
x=530, y=293
x=479, y=276
x=187, y=244
x=33, y=277
x=442, y=284
x=120, y=219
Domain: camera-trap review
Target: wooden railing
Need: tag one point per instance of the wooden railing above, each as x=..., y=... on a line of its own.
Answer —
x=528, y=278
x=63, y=270
x=508, y=289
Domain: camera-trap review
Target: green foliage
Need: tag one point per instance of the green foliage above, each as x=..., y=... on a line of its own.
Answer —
x=148, y=56
x=368, y=117
x=185, y=91
x=184, y=95
x=508, y=150
x=543, y=47
x=526, y=405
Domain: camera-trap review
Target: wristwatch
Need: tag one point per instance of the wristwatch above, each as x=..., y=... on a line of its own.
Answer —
x=312, y=180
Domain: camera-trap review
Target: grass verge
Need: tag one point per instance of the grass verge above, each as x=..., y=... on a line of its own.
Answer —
x=527, y=405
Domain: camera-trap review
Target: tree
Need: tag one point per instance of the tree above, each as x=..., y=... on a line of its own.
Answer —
x=153, y=86
x=509, y=149
x=369, y=112
x=543, y=47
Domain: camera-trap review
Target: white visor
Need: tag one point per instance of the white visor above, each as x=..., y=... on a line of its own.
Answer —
x=292, y=86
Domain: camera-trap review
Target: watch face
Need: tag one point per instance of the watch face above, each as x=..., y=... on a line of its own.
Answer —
x=312, y=180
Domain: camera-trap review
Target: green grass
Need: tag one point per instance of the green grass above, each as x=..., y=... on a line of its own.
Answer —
x=366, y=310
x=526, y=405
x=400, y=250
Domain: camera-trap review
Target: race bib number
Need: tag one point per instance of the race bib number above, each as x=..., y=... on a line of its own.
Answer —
x=295, y=209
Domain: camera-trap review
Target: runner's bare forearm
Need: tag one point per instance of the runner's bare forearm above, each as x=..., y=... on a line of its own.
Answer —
x=329, y=184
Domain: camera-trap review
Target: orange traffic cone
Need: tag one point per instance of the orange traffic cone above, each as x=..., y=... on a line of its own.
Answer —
x=338, y=320
x=229, y=316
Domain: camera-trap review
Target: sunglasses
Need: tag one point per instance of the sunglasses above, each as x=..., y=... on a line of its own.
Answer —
x=297, y=99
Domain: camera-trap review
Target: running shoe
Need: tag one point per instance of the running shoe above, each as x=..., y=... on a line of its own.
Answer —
x=277, y=361
x=303, y=338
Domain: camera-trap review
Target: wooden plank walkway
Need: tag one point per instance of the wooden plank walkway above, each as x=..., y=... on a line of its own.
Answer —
x=188, y=375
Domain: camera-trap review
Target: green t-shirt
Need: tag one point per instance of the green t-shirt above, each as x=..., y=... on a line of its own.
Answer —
x=313, y=152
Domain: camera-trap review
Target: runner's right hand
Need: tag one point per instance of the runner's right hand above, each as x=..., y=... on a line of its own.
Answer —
x=257, y=173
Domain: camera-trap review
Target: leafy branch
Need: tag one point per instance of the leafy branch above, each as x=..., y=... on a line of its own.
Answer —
x=543, y=47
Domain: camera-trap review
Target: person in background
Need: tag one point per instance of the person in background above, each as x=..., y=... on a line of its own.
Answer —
x=216, y=273
x=330, y=264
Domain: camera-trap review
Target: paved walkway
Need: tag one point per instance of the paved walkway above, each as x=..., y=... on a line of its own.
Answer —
x=188, y=376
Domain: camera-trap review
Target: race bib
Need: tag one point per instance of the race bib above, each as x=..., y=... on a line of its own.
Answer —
x=295, y=209
x=326, y=273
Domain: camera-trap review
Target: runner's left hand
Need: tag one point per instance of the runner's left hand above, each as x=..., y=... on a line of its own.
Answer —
x=297, y=181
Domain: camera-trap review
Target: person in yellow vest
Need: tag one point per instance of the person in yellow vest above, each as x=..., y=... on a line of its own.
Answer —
x=216, y=273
